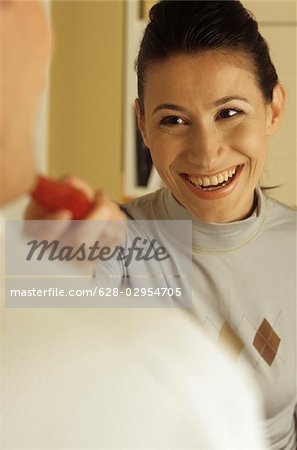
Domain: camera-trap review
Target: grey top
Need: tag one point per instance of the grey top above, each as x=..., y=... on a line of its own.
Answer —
x=244, y=295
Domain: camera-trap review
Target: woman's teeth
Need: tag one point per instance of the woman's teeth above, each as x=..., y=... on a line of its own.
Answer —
x=215, y=180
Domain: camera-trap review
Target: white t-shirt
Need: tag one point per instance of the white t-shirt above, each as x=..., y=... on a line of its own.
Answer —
x=120, y=378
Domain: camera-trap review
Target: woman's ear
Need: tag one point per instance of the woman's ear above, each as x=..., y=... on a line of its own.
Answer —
x=275, y=110
x=140, y=120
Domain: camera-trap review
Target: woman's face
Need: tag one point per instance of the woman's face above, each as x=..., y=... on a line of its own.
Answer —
x=206, y=124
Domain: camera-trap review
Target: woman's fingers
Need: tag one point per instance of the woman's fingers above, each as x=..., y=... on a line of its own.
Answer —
x=36, y=212
x=51, y=227
x=105, y=222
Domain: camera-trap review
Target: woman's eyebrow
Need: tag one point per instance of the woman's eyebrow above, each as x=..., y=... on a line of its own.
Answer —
x=169, y=106
x=223, y=100
x=219, y=102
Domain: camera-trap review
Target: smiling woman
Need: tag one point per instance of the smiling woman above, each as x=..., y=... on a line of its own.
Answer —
x=208, y=100
x=194, y=144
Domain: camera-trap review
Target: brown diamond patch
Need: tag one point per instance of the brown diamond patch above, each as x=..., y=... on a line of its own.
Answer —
x=228, y=338
x=266, y=342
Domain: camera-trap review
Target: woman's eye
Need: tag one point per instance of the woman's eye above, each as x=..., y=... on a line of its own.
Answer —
x=228, y=113
x=172, y=120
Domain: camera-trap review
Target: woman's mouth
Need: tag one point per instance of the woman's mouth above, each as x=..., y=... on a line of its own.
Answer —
x=214, y=186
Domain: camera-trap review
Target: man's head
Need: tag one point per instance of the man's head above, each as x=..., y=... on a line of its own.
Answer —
x=24, y=50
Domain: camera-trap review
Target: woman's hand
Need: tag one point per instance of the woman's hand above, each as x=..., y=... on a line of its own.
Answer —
x=109, y=229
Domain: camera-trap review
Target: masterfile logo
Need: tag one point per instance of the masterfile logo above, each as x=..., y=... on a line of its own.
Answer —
x=141, y=249
x=150, y=265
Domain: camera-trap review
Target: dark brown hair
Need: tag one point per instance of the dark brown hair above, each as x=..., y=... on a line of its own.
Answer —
x=187, y=27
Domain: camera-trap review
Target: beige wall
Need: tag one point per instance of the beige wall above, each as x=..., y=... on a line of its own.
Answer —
x=277, y=20
x=85, y=132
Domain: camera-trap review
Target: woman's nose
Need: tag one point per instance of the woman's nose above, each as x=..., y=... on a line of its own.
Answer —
x=205, y=146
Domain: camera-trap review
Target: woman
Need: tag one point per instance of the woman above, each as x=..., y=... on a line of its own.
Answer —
x=208, y=99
